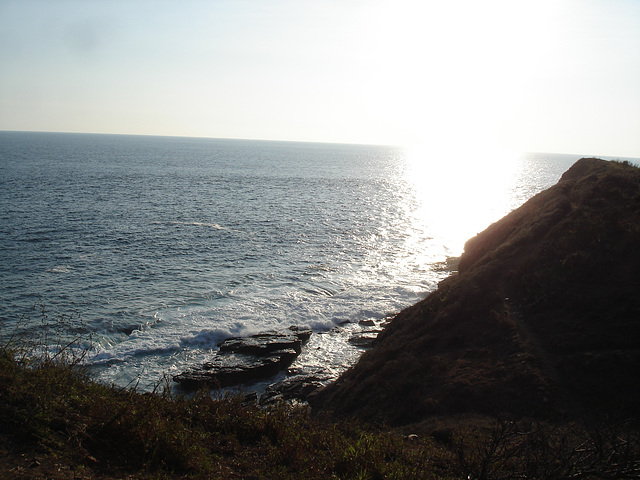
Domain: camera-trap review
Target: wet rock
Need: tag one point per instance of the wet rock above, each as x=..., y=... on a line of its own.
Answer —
x=230, y=369
x=297, y=387
x=248, y=359
x=367, y=323
x=302, y=333
x=263, y=344
x=364, y=339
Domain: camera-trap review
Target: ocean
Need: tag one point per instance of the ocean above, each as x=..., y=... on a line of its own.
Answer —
x=152, y=250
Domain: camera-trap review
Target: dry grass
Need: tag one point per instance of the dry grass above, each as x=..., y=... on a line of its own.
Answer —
x=56, y=423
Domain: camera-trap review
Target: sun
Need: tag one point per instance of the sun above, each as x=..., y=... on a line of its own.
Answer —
x=452, y=72
x=443, y=79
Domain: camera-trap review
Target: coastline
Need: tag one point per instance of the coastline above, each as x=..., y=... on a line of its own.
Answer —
x=537, y=322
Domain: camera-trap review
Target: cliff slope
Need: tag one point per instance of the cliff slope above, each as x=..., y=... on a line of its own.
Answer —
x=542, y=320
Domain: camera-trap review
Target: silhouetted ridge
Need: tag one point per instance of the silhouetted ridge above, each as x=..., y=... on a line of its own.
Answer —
x=543, y=318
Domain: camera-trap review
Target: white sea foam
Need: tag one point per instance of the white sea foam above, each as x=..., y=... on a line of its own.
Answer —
x=210, y=338
x=135, y=345
x=205, y=224
x=60, y=269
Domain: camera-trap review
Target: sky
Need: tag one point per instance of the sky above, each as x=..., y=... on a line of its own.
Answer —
x=547, y=75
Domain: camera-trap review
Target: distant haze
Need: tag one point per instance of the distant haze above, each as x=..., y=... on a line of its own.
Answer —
x=550, y=75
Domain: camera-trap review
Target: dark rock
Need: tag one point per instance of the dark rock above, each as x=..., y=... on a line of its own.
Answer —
x=302, y=333
x=364, y=339
x=244, y=360
x=367, y=323
x=230, y=369
x=297, y=387
x=449, y=265
x=263, y=344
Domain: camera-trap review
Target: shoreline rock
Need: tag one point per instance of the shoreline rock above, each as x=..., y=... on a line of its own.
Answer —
x=242, y=360
x=295, y=388
x=365, y=338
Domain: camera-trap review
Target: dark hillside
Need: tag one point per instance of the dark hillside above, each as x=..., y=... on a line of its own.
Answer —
x=543, y=318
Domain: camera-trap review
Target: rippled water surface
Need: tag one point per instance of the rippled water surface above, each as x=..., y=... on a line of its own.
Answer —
x=161, y=247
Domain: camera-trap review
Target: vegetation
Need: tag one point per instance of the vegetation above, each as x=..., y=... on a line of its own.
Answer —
x=58, y=424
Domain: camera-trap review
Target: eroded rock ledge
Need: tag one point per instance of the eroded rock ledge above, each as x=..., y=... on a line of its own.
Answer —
x=242, y=360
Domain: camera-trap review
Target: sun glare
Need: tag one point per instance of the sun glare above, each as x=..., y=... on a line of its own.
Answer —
x=459, y=193
x=451, y=71
x=446, y=77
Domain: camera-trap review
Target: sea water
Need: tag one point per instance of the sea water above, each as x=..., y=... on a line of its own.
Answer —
x=157, y=249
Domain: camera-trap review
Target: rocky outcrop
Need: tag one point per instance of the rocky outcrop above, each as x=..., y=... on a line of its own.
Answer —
x=295, y=388
x=247, y=359
x=364, y=339
x=542, y=319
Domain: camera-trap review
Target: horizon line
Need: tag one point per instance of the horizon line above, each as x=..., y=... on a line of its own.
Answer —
x=156, y=135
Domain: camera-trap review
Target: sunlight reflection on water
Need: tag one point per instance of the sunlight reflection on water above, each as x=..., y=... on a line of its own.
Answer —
x=202, y=239
x=457, y=195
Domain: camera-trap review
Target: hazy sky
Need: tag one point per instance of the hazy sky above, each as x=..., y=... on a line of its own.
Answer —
x=543, y=75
